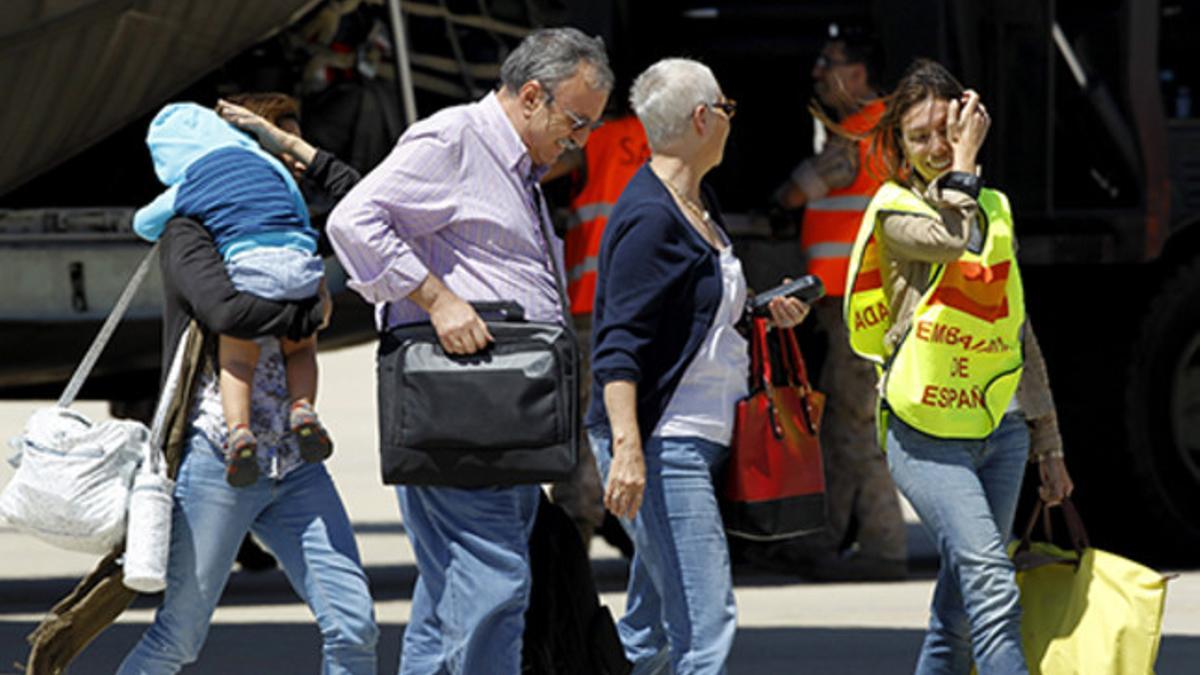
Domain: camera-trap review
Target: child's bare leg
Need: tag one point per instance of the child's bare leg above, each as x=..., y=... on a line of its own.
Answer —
x=238, y=359
x=301, y=358
x=311, y=437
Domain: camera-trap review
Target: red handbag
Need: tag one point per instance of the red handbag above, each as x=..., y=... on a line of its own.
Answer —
x=775, y=481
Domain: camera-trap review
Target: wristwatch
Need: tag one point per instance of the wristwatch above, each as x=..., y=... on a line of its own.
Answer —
x=962, y=181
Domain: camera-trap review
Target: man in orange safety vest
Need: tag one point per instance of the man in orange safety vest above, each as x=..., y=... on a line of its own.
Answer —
x=834, y=187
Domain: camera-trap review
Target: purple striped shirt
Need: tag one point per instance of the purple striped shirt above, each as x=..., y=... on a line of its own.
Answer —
x=456, y=198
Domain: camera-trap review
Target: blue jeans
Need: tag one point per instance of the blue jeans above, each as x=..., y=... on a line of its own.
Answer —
x=966, y=494
x=301, y=519
x=680, y=615
x=472, y=590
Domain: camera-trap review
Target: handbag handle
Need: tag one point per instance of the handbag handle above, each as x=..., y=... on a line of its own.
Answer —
x=1079, y=536
x=800, y=371
x=760, y=356
x=793, y=364
x=789, y=353
x=760, y=367
x=797, y=368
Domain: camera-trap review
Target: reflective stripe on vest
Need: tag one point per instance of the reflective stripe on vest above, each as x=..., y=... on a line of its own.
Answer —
x=614, y=153
x=830, y=223
x=584, y=212
x=588, y=266
x=955, y=371
x=857, y=203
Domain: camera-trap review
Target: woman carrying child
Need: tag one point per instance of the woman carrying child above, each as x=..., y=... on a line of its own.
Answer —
x=296, y=511
x=258, y=219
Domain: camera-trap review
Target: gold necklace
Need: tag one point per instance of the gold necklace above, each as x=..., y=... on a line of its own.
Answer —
x=691, y=205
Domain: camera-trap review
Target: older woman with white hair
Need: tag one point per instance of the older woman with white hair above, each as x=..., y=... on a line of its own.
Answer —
x=669, y=367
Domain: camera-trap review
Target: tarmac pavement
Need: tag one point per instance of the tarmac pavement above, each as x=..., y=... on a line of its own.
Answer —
x=786, y=625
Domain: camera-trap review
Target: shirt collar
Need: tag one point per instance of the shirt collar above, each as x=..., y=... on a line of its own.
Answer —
x=511, y=148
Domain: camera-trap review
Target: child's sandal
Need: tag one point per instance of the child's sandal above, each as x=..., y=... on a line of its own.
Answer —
x=311, y=437
x=241, y=457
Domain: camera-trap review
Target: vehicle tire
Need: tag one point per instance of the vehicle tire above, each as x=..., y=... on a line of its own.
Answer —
x=1162, y=418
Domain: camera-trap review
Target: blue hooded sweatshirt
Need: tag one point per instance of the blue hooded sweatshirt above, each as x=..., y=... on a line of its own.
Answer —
x=220, y=177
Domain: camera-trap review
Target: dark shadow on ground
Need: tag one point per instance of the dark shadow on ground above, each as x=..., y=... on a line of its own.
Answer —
x=392, y=582
x=265, y=649
x=388, y=582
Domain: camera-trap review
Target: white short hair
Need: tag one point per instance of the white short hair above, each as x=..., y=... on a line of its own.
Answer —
x=664, y=96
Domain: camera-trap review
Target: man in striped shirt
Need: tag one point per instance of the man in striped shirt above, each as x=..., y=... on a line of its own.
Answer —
x=453, y=215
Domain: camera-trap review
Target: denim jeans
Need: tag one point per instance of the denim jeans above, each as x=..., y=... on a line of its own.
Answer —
x=301, y=519
x=472, y=590
x=276, y=272
x=680, y=615
x=965, y=493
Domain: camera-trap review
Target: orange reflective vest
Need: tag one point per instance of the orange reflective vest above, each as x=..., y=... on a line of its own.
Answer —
x=614, y=153
x=831, y=222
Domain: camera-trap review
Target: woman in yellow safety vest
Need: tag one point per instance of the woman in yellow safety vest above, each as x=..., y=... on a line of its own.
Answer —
x=934, y=297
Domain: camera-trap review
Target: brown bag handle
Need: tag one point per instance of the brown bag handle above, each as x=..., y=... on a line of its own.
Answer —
x=1078, y=534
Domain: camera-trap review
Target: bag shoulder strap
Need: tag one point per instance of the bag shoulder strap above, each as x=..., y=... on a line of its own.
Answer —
x=559, y=274
x=556, y=267
x=110, y=326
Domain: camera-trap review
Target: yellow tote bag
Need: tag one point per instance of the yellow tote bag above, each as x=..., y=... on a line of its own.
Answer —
x=1087, y=611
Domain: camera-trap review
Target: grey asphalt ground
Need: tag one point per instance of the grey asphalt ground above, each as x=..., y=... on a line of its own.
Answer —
x=786, y=625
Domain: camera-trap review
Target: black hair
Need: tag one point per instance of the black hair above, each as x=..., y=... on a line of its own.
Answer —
x=861, y=45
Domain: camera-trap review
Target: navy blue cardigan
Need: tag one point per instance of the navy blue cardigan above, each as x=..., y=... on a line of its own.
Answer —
x=658, y=288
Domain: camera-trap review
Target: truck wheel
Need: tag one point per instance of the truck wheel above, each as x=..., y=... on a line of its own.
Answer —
x=1163, y=415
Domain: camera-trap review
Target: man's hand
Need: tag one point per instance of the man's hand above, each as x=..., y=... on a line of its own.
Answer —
x=456, y=322
x=458, y=325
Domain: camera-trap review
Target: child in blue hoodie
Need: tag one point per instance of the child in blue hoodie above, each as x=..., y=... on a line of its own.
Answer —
x=258, y=219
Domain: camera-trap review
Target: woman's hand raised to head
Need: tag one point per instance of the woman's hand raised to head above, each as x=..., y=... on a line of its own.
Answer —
x=967, y=124
x=295, y=153
x=270, y=136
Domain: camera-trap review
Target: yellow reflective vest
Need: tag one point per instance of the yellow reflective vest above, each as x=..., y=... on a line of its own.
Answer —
x=954, y=372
